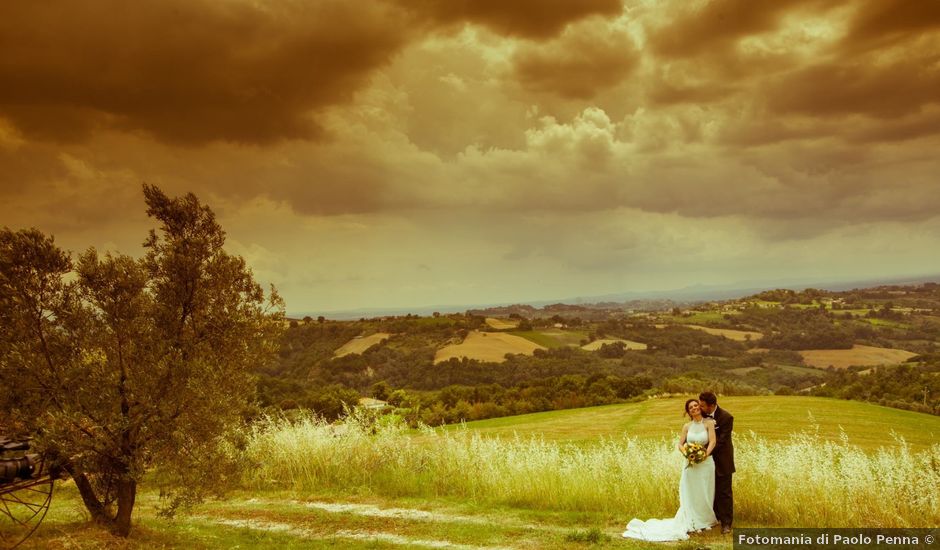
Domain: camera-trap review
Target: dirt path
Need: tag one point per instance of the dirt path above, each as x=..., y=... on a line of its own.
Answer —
x=315, y=523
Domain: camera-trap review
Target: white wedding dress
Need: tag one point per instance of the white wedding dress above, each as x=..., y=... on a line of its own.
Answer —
x=696, y=497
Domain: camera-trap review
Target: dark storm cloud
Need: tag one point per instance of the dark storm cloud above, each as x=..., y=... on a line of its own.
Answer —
x=536, y=19
x=186, y=71
x=22, y=168
x=879, y=23
x=841, y=88
x=666, y=93
x=717, y=25
x=579, y=64
x=907, y=128
x=886, y=65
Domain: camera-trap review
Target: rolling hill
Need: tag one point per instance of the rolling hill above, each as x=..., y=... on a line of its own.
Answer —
x=772, y=417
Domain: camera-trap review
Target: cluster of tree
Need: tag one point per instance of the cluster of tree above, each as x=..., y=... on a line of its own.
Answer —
x=787, y=296
x=912, y=386
x=675, y=340
x=119, y=365
x=458, y=403
x=798, y=329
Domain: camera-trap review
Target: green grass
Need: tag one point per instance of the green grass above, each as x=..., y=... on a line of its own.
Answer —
x=323, y=486
x=795, y=476
x=819, y=373
x=814, y=372
x=885, y=323
x=744, y=370
x=703, y=318
x=294, y=520
x=763, y=303
x=552, y=338
x=856, y=312
x=814, y=305
x=433, y=321
x=775, y=418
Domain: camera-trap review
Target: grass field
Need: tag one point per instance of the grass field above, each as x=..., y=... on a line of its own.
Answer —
x=360, y=345
x=798, y=473
x=698, y=317
x=858, y=355
x=553, y=338
x=596, y=344
x=737, y=335
x=501, y=324
x=885, y=323
x=744, y=370
x=540, y=484
x=774, y=418
x=304, y=519
x=487, y=346
x=802, y=370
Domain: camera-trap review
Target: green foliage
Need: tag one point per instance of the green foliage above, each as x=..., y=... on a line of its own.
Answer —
x=914, y=387
x=614, y=350
x=799, y=329
x=122, y=364
x=591, y=536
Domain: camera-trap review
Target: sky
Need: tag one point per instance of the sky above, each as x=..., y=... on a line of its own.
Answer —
x=399, y=153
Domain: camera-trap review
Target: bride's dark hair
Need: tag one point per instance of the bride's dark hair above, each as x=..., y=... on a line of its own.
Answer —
x=687, y=406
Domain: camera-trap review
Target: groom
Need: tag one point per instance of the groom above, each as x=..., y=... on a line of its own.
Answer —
x=723, y=456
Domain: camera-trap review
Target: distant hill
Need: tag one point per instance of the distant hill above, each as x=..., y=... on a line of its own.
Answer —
x=640, y=300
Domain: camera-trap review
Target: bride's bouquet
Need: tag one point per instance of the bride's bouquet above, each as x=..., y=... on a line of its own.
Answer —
x=694, y=453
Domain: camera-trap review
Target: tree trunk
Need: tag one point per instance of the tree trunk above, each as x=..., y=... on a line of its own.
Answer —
x=126, y=494
x=89, y=498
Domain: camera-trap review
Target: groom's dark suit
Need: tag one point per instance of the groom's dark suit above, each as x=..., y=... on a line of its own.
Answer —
x=723, y=455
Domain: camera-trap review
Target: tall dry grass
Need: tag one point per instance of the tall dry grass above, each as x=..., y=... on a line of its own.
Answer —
x=804, y=482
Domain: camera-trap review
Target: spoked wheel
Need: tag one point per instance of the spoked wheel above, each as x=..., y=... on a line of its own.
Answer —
x=23, y=505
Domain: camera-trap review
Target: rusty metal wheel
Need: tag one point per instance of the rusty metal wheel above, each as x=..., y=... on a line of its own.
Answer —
x=25, y=493
x=23, y=506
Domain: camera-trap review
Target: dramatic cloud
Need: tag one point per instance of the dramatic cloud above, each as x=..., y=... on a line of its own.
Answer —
x=583, y=61
x=702, y=28
x=387, y=153
x=187, y=71
x=537, y=19
x=881, y=23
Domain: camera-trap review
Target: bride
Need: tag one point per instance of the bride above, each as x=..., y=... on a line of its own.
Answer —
x=696, y=487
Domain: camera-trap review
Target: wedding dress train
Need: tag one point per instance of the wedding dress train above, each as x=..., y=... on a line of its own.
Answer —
x=696, y=497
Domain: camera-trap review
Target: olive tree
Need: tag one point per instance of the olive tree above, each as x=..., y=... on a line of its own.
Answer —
x=127, y=366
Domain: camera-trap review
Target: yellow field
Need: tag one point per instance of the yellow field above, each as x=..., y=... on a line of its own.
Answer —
x=596, y=344
x=360, y=344
x=501, y=324
x=858, y=355
x=487, y=346
x=801, y=478
x=738, y=335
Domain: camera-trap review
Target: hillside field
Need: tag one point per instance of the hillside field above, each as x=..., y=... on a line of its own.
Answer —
x=858, y=355
x=774, y=418
x=501, y=324
x=360, y=345
x=736, y=335
x=487, y=346
x=554, y=337
x=596, y=344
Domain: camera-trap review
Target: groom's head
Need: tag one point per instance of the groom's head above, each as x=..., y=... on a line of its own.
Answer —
x=708, y=402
